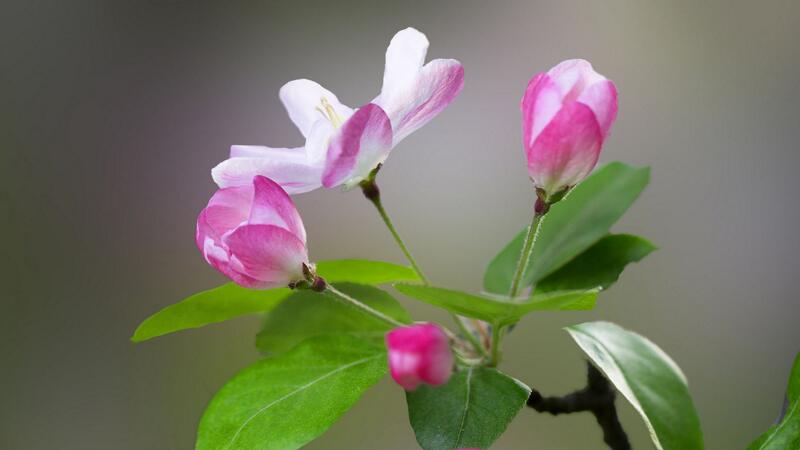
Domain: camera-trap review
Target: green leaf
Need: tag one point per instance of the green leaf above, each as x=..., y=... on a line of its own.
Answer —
x=287, y=401
x=363, y=271
x=307, y=313
x=786, y=433
x=499, y=311
x=647, y=378
x=599, y=265
x=571, y=226
x=230, y=300
x=215, y=305
x=471, y=410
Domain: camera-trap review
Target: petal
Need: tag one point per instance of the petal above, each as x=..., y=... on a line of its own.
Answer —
x=269, y=255
x=273, y=206
x=540, y=103
x=238, y=151
x=436, y=86
x=602, y=99
x=567, y=148
x=303, y=101
x=227, y=209
x=288, y=167
x=317, y=141
x=404, y=58
x=363, y=142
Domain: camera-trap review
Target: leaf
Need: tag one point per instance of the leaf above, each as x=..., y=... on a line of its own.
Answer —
x=307, y=313
x=599, y=265
x=571, y=226
x=215, y=305
x=471, y=410
x=647, y=378
x=499, y=311
x=786, y=433
x=363, y=271
x=230, y=300
x=287, y=401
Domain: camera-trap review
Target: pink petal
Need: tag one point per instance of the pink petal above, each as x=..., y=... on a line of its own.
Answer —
x=291, y=170
x=363, y=142
x=567, y=148
x=437, y=85
x=266, y=256
x=303, y=100
x=601, y=97
x=227, y=209
x=540, y=103
x=273, y=206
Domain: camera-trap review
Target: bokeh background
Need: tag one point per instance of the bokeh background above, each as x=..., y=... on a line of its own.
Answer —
x=114, y=112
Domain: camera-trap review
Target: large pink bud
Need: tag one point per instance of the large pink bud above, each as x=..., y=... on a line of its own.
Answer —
x=566, y=115
x=419, y=354
x=254, y=235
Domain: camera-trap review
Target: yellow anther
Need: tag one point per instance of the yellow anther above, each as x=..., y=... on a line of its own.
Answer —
x=329, y=113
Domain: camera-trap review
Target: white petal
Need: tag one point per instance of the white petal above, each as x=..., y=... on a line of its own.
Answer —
x=290, y=168
x=303, y=100
x=404, y=59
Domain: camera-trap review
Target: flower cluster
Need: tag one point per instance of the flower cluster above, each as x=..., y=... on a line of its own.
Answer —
x=251, y=231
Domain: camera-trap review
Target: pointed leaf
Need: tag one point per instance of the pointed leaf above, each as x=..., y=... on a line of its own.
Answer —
x=287, y=401
x=571, y=226
x=498, y=310
x=363, y=271
x=648, y=378
x=307, y=313
x=599, y=265
x=471, y=411
x=230, y=300
x=785, y=434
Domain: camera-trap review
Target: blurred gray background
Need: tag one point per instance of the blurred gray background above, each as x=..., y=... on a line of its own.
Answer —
x=114, y=112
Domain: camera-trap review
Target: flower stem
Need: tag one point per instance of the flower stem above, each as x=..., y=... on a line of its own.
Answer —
x=373, y=194
x=497, y=336
x=527, y=248
x=364, y=308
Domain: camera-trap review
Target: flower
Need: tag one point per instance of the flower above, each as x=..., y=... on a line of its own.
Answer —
x=419, y=354
x=254, y=235
x=343, y=146
x=567, y=113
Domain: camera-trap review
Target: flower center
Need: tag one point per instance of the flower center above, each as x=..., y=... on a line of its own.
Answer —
x=326, y=109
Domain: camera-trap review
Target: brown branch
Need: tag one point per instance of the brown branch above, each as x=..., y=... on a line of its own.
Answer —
x=597, y=397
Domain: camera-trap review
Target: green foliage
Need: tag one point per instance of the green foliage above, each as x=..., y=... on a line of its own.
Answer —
x=471, y=410
x=364, y=271
x=786, y=433
x=599, y=265
x=307, y=314
x=647, y=378
x=215, y=305
x=230, y=300
x=573, y=225
x=499, y=311
x=287, y=401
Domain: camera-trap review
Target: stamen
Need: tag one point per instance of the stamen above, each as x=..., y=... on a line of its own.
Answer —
x=329, y=113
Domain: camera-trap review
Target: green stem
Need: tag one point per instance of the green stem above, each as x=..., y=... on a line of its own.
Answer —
x=525, y=256
x=364, y=308
x=373, y=194
x=388, y=221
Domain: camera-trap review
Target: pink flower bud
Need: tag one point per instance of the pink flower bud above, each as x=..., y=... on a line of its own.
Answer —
x=419, y=354
x=566, y=115
x=253, y=235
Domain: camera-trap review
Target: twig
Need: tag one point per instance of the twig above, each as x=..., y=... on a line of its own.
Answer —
x=597, y=397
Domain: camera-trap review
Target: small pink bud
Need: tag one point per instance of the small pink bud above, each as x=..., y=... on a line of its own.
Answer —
x=566, y=115
x=419, y=354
